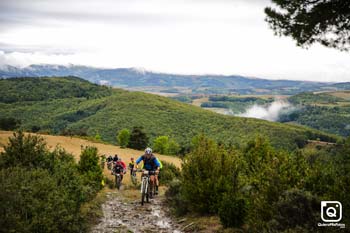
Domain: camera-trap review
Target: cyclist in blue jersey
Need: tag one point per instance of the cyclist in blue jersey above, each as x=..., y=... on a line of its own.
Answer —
x=150, y=163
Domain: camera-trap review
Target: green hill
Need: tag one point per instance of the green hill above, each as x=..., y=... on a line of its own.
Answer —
x=328, y=111
x=54, y=105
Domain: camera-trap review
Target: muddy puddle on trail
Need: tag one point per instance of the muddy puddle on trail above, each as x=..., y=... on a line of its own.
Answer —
x=123, y=215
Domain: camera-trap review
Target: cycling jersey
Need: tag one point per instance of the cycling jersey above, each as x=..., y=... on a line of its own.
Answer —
x=131, y=165
x=150, y=164
x=120, y=165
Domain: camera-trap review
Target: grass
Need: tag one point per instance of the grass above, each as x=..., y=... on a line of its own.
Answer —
x=73, y=145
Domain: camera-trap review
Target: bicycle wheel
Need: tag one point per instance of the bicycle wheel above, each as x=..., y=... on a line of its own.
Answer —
x=149, y=190
x=133, y=178
x=118, y=181
x=144, y=187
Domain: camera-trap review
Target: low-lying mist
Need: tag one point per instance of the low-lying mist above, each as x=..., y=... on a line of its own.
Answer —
x=270, y=112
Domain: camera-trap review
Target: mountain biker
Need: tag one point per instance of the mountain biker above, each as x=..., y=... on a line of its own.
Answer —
x=109, y=162
x=119, y=168
x=115, y=158
x=103, y=160
x=150, y=163
x=131, y=165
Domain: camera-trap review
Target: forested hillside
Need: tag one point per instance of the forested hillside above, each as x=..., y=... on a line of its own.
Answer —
x=97, y=110
x=329, y=112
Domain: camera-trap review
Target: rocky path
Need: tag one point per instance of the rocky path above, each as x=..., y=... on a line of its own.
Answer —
x=125, y=215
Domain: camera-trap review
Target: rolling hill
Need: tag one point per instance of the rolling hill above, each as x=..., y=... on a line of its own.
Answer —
x=139, y=79
x=104, y=111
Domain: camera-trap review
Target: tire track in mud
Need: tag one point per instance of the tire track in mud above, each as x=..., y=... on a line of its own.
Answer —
x=123, y=215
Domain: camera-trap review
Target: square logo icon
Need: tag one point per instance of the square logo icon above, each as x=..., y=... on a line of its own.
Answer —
x=331, y=211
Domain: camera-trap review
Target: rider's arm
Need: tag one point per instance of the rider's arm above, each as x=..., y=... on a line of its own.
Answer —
x=139, y=159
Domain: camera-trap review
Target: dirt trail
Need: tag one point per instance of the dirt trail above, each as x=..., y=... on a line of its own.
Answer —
x=122, y=214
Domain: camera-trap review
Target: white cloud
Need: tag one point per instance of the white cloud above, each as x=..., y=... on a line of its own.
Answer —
x=175, y=36
x=270, y=112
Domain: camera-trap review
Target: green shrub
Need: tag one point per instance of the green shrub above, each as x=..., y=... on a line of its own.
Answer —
x=138, y=139
x=123, y=138
x=206, y=174
x=9, y=123
x=232, y=211
x=175, y=199
x=29, y=151
x=90, y=169
x=173, y=147
x=33, y=201
x=168, y=173
x=296, y=208
x=43, y=191
x=161, y=145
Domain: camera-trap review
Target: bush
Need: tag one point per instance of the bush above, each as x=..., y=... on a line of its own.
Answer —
x=206, y=174
x=90, y=169
x=29, y=151
x=98, y=137
x=175, y=198
x=123, y=138
x=138, y=139
x=169, y=172
x=9, y=123
x=161, y=145
x=22, y=211
x=296, y=208
x=173, y=147
x=232, y=211
x=43, y=191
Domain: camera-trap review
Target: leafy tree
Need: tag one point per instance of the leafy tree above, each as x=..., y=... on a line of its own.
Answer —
x=42, y=191
x=29, y=151
x=98, y=137
x=138, y=139
x=309, y=21
x=207, y=174
x=90, y=168
x=123, y=138
x=161, y=144
x=9, y=123
x=173, y=147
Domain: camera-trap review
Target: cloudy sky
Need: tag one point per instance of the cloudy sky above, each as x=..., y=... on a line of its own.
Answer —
x=173, y=36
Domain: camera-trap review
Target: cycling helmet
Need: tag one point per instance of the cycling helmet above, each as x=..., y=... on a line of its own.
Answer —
x=148, y=150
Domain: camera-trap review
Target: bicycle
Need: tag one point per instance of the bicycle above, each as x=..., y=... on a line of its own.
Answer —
x=109, y=165
x=133, y=176
x=146, y=187
x=118, y=177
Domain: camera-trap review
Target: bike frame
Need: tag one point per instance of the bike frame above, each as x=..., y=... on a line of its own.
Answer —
x=145, y=184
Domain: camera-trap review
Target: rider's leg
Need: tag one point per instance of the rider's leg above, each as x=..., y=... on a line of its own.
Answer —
x=153, y=182
x=157, y=183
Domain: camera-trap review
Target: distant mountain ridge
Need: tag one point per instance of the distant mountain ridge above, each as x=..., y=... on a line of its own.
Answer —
x=145, y=80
